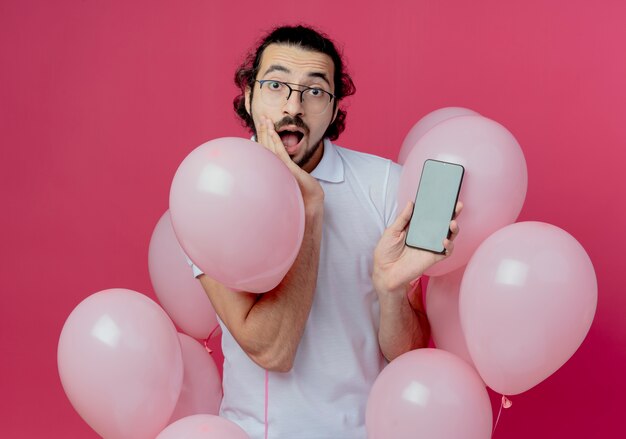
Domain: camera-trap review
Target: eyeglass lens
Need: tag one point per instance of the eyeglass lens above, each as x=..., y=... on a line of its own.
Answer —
x=276, y=93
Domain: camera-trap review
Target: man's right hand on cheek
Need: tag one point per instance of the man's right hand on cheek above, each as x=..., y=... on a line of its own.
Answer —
x=267, y=136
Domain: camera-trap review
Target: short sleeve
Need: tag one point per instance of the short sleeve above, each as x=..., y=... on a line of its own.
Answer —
x=194, y=268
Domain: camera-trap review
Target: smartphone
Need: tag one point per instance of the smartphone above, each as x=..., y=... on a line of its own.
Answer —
x=435, y=202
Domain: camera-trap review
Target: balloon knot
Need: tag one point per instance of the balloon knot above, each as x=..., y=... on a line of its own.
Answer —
x=206, y=345
x=506, y=402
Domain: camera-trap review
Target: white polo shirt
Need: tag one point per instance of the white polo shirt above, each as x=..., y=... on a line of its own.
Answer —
x=325, y=394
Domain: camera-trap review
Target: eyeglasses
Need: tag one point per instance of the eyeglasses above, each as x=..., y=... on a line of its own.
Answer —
x=276, y=93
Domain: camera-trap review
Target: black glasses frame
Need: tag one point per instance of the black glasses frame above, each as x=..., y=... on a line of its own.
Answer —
x=291, y=90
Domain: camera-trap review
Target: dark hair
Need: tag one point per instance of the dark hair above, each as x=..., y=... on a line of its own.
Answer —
x=306, y=38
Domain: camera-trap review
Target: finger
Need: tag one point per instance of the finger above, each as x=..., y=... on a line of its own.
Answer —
x=454, y=229
x=448, y=246
x=269, y=129
x=458, y=208
x=265, y=138
x=274, y=138
x=261, y=135
x=403, y=218
x=279, y=147
x=277, y=142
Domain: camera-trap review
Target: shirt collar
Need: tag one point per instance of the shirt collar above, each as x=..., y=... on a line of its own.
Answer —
x=330, y=167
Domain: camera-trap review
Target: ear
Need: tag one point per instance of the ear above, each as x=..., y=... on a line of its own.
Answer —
x=247, y=100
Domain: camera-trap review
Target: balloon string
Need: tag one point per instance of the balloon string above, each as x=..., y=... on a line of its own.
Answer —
x=213, y=331
x=206, y=340
x=266, y=400
x=497, y=419
x=506, y=403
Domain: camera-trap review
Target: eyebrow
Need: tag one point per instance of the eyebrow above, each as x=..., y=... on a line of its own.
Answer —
x=279, y=68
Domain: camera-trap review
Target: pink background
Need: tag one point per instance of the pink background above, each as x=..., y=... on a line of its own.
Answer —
x=100, y=102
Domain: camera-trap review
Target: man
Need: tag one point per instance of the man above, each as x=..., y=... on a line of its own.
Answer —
x=300, y=359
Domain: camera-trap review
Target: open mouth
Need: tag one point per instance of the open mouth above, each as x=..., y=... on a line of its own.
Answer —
x=291, y=137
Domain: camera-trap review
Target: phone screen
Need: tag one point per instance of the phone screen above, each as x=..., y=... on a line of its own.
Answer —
x=435, y=201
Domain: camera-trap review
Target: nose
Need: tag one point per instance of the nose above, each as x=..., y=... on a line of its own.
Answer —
x=293, y=105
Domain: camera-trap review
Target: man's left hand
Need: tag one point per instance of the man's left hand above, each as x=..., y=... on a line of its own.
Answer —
x=395, y=264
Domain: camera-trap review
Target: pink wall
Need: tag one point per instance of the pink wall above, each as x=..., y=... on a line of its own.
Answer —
x=100, y=102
